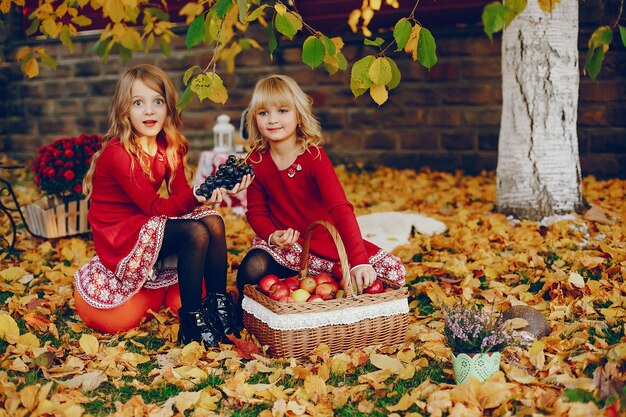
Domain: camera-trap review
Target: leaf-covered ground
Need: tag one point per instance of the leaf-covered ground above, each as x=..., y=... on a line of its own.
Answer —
x=571, y=270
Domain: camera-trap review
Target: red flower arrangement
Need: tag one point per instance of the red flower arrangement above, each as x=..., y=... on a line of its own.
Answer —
x=61, y=166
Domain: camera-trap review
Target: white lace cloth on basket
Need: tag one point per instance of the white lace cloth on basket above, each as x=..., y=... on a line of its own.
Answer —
x=349, y=315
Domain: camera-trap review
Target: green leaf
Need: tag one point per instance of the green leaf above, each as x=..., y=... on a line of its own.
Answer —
x=185, y=99
x=66, y=38
x=380, y=72
x=593, y=62
x=256, y=13
x=601, y=37
x=48, y=61
x=359, y=76
x=517, y=6
x=426, y=49
x=242, y=6
x=272, y=43
x=33, y=27
x=495, y=16
x=395, y=74
x=125, y=54
x=187, y=75
x=195, y=32
x=222, y=7
x=622, y=33
x=313, y=51
x=285, y=26
x=81, y=21
x=401, y=33
x=166, y=48
x=329, y=45
x=343, y=62
x=158, y=13
x=578, y=395
x=376, y=42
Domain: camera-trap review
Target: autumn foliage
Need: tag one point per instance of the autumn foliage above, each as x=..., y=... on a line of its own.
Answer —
x=570, y=269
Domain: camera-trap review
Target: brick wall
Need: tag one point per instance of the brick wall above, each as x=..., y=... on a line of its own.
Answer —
x=446, y=118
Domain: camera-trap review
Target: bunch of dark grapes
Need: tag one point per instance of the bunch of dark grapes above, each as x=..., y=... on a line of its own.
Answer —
x=227, y=176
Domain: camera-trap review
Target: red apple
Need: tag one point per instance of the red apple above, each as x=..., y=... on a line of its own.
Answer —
x=375, y=288
x=279, y=290
x=326, y=290
x=314, y=299
x=323, y=277
x=292, y=282
x=308, y=284
x=267, y=281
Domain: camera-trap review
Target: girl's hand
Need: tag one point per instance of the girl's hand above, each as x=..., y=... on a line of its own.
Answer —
x=240, y=186
x=284, y=238
x=216, y=197
x=363, y=276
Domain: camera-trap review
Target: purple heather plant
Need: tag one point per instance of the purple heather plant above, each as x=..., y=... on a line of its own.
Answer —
x=472, y=329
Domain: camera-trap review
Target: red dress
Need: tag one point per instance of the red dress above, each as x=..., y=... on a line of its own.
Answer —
x=295, y=197
x=127, y=218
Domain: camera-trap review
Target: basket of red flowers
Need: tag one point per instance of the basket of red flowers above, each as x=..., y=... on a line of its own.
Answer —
x=59, y=170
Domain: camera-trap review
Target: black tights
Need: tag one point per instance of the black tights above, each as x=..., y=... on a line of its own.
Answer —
x=256, y=264
x=201, y=249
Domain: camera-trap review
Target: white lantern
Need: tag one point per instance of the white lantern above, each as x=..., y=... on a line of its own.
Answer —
x=223, y=134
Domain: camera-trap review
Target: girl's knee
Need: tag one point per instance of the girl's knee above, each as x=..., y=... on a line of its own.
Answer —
x=215, y=225
x=123, y=317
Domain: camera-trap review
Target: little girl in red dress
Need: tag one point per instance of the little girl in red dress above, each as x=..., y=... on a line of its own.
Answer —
x=295, y=184
x=135, y=229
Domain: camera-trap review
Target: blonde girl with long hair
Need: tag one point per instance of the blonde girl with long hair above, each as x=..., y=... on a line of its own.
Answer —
x=135, y=229
x=295, y=184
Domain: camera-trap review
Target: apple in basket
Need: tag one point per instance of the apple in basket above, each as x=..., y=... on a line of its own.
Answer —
x=292, y=282
x=299, y=295
x=376, y=287
x=323, y=277
x=279, y=290
x=314, y=299
x=326, y=290
x=308, y=284
x=266, y=283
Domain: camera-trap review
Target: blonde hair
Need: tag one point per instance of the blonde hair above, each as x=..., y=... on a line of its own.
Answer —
x=281, y=90
x=120, y=125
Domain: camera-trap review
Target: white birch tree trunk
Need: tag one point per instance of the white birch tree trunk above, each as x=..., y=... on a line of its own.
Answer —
x=538, y=171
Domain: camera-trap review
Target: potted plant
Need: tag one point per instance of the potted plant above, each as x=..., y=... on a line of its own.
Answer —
x=476, y=337
x=59, y=170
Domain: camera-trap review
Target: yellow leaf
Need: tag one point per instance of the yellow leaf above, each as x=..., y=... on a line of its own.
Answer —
x=209, y=86
x=379, y=93
x=576, y=280
x=50, y=27
x=89, y=344
x=31, y=68
x=548, y=5
x=386, y=362
x=87, y=381
x=380, y=71
x=411, y=44
x=28, y=339
x=186, y=400
x=21, y=53
x=13, y=273
x=280, y=8
x=353, y=19
x=114, y=9
x=9, y=330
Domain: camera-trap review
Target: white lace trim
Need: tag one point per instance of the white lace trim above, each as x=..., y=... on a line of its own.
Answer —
x=297, y=321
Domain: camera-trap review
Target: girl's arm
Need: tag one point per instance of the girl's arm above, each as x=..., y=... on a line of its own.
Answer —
x=340, y=209
x=139, y=189
x=258, y=214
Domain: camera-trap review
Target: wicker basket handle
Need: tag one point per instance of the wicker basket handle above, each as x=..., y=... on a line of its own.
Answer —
x=346, y=281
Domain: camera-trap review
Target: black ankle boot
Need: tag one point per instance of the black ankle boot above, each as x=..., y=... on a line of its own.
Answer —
x=222, y=306
x=199, y=326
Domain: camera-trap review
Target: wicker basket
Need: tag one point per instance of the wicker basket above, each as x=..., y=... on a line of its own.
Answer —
x=294, y=330
x=52, y=218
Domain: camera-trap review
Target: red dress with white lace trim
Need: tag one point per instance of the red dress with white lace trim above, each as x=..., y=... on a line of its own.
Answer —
x=295, y=197
x=127, y=218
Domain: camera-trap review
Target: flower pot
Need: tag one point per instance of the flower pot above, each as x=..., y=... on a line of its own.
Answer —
x=52, y=217
x=479, y=365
